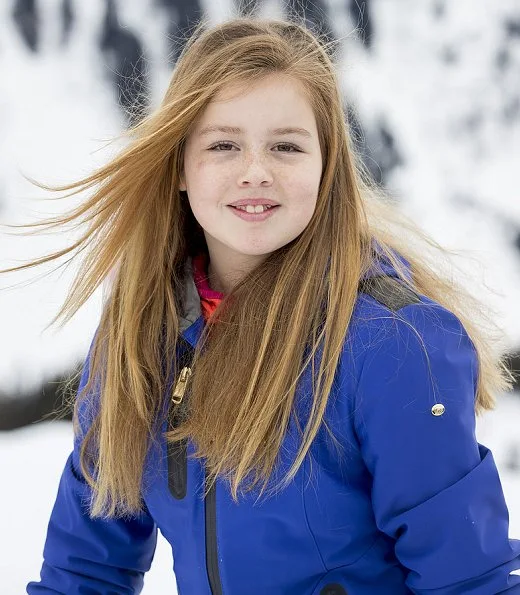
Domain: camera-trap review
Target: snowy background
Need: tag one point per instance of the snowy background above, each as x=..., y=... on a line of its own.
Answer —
x=435, y=88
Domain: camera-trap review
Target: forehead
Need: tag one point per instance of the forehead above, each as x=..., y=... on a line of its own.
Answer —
x=273, y=97
x=275, y=82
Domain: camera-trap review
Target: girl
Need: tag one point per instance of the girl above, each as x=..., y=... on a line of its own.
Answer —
x=278, y=382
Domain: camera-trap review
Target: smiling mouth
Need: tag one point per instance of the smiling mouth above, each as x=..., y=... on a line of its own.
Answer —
x=254, y=209
x=253, y=215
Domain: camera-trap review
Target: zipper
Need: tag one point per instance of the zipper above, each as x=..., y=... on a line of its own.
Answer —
x=210, y=511
x=177, y=475
x=180, y=387
x=177, y=452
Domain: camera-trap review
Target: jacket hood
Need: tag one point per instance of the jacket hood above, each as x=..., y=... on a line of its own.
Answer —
x=192, y=310
x=383, y=267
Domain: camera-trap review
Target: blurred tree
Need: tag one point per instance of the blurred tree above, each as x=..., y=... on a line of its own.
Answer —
x=27, y=20
x=125, y=58
x=183, y=15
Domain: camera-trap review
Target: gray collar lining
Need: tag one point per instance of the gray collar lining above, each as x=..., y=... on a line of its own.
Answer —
x=192, y=309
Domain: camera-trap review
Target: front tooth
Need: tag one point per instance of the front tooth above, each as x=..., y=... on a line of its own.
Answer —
x=257, y=209
x=253, y=209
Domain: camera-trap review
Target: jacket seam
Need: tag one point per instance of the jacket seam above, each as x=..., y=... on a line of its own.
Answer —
x=360, y=557
x=307, y=517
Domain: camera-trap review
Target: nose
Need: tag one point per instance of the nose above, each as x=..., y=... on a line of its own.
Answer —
x=255, y=172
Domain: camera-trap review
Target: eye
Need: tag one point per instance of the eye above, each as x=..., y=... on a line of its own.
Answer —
x=292, y=148
x=218, y=146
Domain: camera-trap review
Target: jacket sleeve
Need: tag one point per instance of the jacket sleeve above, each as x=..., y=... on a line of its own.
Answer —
x=84, y=555
x=436, y=491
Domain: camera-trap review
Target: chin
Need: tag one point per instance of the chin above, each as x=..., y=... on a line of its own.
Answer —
x=255, y=253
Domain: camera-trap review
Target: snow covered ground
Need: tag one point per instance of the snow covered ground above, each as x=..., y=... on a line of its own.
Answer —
x=30, y=466
x=32, y=462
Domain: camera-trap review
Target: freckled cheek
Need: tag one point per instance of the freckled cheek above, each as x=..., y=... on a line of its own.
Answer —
x=208, y=182
x=304, y=193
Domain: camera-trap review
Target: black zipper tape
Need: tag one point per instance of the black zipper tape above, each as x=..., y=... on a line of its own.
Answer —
x=178, y=469
x=211, y=541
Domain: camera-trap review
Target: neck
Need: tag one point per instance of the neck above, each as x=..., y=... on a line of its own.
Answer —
x=215, y=281
x=225, y=273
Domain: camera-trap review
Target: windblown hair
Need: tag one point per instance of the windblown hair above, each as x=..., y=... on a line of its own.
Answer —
x=140, y=230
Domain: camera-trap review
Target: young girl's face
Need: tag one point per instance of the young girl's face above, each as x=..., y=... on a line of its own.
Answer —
x=259, y=141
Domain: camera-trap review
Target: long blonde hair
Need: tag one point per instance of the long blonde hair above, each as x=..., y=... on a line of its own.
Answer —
x=246, y=366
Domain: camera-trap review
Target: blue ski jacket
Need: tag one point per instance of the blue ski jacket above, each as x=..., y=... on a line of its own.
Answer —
x=410, y=503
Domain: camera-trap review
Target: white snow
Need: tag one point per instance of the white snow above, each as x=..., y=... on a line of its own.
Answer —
x=30, y=468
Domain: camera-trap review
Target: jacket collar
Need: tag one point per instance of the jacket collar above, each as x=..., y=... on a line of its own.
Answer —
x=192, y=310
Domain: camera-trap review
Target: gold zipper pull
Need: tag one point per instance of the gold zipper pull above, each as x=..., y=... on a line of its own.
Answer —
x=180, y=387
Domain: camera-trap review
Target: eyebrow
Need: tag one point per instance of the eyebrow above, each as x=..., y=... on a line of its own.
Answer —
x=235, y=130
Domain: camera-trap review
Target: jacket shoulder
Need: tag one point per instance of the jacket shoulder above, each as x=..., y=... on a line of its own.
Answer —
x=384, y=304
x=393, y=324
x=389, y=291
